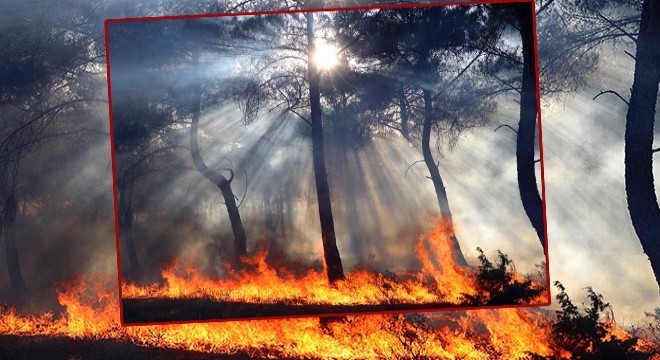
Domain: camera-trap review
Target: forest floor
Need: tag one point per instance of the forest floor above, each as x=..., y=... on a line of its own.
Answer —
x=137, y=311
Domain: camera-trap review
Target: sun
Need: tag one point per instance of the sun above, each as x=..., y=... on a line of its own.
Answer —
x=326, y=55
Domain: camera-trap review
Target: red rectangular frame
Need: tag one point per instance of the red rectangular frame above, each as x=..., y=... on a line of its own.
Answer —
x=106, y=24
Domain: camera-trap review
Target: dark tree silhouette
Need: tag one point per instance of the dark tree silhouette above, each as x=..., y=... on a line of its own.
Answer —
x=559, y=75
x=412, y=46
x=165, y=100
x=8, y=212
x=331, y=253
x=139, y=121
x=294, y=88
x=593, y=23
x=42, y=60
x=527, y=130
x=640, y=120
x=219, y=180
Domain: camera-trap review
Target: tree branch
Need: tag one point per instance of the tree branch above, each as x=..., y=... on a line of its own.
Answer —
x=246, y=190
x=411, y=165
x=507, y=126
x=300, y=116
x=614, y=93
x=615, y=25
x=543, y=7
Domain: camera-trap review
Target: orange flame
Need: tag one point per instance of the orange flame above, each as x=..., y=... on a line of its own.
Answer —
x=91, y=312
x=363, y=337
x=440, y=281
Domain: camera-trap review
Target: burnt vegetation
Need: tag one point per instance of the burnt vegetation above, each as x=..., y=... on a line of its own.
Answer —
x=588, y=333
x=500, y=284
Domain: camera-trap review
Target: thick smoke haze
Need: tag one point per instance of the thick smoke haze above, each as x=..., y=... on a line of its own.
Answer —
x=591, y=240
x=382, y=199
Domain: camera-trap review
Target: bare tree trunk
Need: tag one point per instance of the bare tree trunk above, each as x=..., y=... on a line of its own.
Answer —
x=8, y=213
x=525, y=159
x=640, y=191
x=240, y=246
x=224, y=184
x=438, y=184
x=333, y=263
x=403, y=107
x=126, y=226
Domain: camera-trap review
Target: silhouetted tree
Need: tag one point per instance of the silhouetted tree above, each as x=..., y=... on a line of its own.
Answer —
x=332, y=259
x=223, y=183
x=288, y=80
x=43, y=58
x=631, y=22
x=413, y=46
x=640, y=120
x=527, y=129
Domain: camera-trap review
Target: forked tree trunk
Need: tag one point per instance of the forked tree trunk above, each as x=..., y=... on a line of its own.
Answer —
x=223, y=183
x=525, y=159
x=333, y=263
x=438, y=184
x=640, y=191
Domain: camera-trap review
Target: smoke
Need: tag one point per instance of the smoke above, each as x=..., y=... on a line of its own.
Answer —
x=382, y=199
x=591, y=240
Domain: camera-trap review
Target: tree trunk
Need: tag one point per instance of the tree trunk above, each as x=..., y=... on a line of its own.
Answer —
x=11, y=248
x=640, y=191
x=403, y=107
x=8, y=213
x=126, y=227
x=240, y=246
x=333, y=263
x=525, y=159
x=438, y=185
x=224, y=184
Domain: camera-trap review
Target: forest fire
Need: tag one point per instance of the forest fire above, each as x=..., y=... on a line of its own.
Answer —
x=91, y=313
x=440, y=283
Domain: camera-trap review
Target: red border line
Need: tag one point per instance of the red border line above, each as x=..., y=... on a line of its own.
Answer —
x=315, y=10
x=107, y=22
x=115, y=195
x=544, y=201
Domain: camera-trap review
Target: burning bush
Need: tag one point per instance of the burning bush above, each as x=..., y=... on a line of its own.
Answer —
x=500, y=284
x=592, y=333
